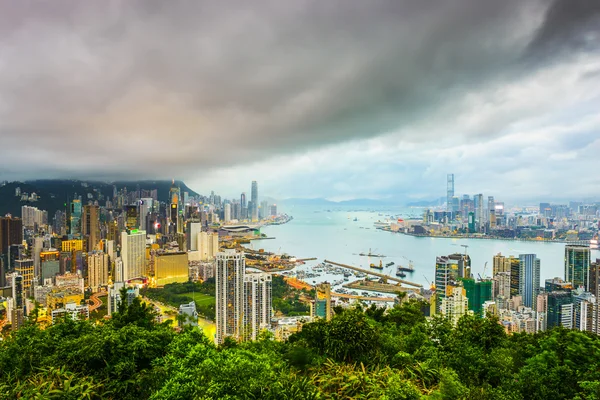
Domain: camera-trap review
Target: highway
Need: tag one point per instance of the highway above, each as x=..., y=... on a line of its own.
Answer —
x=96, y=302
x=370, y=272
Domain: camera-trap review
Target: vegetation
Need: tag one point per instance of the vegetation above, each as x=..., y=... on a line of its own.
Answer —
x=286, y=300
x=175, y=294
x=359, y=354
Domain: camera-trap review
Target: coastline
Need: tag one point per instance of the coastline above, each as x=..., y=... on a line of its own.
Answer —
x=484, y=237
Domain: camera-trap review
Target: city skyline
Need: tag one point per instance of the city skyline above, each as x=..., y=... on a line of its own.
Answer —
x=499, y=92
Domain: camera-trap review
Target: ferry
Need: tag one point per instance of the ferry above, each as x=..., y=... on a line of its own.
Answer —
x=380, y=266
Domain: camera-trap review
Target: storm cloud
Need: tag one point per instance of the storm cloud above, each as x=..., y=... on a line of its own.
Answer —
x=154, y=89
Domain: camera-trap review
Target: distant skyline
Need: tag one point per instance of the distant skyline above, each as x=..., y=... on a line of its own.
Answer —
x=338, y=100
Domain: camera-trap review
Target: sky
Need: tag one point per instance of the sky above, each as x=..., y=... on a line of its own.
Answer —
x=338, y=99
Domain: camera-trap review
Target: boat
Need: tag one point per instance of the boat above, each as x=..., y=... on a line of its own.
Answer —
x=380, y=266
x=355, y=219
x=400, y=274
x=410, y=267
x=389, y=264
x=369, y=254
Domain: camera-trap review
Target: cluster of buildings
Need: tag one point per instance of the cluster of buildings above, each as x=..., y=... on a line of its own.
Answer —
x=132, y=240
x=481, y=216
x=516, y=295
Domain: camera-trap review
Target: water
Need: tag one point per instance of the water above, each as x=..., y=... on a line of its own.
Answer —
x=335, y=236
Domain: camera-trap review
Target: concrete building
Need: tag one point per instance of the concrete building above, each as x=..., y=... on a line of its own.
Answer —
x=257, y=304
x=448, y=270
x=133, y=254
x=98, y=266
x=456, y=305
x=501, y=264
x=114, y=296
x=583, y=311
x=229, y=274
x=208, y=245
x=188, y=315
x=25, y=269
x=194, y=229
x=146, y=205
x=72, y=310
x=577, y=266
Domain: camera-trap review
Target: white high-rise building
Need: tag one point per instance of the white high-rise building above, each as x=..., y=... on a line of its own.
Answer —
x=257, y=304
x=119, y=273
x=145, y=208
x=455, y=306
x=133, y=254
x=97, y=270
x=227, y=213
x=194, y=229
x=208, y=245
x=229, y=277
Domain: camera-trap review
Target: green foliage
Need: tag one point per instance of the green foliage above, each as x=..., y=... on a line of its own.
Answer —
x=370, y=354
x=176, y=294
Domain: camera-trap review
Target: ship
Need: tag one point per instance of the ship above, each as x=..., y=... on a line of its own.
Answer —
x=380, y=266
x=410, y=268
x=400, y=274
x=369, y=254
x=355, y=219
x=389, y=264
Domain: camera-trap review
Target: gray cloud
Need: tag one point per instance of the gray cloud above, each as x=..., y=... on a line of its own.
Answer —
x=155, y=89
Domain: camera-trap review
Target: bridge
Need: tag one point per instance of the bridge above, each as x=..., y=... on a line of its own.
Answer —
x=384, y=277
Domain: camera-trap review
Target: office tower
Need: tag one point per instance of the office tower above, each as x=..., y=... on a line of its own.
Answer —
x=50, y=264
x=11, y=232
x=97, y=270
x=131, y=217
x=448, y=269
x=471, y=222
x=59, y=225
x=545, y=209
x=264, y=209
x=274, y=210
x=208, y=245
x=560, y=310
x=254, y=197
x=577, y=266
x=477, y=293
x=90, y=226
x=75, y=211
x=595, y=278
x=455, y=305
x=174, y=196
x=25, y=269
x=529, y=279
x=133, y=254
x=193, y=230
x=557, y=284
x=227, y=212
x=119, y=273
x=479, y=214
x=229, y=277
x=450, y=193
x=501, y=264
x=583, y=310
x=171, y=268
x=257, y=304
x=491, y=211
x=515, y=276
x=145, y=209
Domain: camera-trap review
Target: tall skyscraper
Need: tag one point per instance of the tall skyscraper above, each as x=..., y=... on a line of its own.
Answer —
x=254, y=197
x=133, y=254
x=145, y=209
x=455, y=305
x=11, y=232
x=227, y=212
x=577, y=266
x=25, y=269
x=501, y=264
x=97, y=270
x=229, y=278
x=595, y=279
x=448, y=270
x=90, y=226
x=560, y=310
x=193, y=230
x=257, y=304
x=450, y=193
x=208, y=245
x=75, y=211
x=264, y=209
x=174, y=209
x=479, y=214
x=529, y=279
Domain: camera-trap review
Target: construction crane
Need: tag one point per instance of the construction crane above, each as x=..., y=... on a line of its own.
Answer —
x=466, y=246
x=427, y=280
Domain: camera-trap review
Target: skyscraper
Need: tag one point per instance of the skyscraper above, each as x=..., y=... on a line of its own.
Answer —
x=229, y=278
x=145, y=209
x=193, y=230
x=577, y=266
x=455, y=305
x=133, y=254
x=450, y=193
x=448, y=269
x=75, y=211
x=227, y=212
x=529, y=279
x=257, y=304
x=560, y=310
x=90, y=226
x=11, y=232
x=254, y=197
x=479, y=214
x=97, y=270
x=208, y=245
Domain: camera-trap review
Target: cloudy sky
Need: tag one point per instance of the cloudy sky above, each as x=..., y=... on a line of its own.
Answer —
x=338, y=99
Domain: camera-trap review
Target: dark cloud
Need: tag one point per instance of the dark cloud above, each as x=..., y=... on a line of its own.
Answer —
x=155, y=89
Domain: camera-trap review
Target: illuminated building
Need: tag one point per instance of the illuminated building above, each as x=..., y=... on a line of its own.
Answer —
x=577, y=266
x=171, y=268
x=174, y=195
x=229, y=274
x=58, y=298
x=97, y=270
x=25, y=268
x=90, y=226
x=133, y=254
x=72, y=245
x=257, y=304
x=131, y=217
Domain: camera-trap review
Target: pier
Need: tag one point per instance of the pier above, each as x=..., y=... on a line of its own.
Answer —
x=384, y=278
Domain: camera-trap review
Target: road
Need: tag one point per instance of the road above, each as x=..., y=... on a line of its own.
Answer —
x=96, y=302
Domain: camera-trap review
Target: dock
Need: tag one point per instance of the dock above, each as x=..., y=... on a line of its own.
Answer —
x=384, y=278
x=306, y=259
x=378, y=287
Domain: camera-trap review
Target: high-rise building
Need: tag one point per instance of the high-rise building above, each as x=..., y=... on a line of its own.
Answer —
x=448, y=269
x=193, y=230
x=174, y=195
x=502, y=285
x=227, y=212
x=577, y=266
x=257, y=304
x=131, y=217
x=479, y=214
x=254, y=197
x=501, y=264
x=90, y=226
x=133, y=254
x=208, y=245
x=50, y=264
x=583, y=310
x=560, y=310
x=264, y=212
x=477, y=293
x=11, y=232
x=75, y=211
x=25, y=269
x=595, y=278
x=274, y=210
x=171, y=268
x=145, y=209
x=529, y=279
x=450, y=193
x=229, y=277
x=98, y=267
x=455, y=305
x=32, y=217
x=491, y=211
